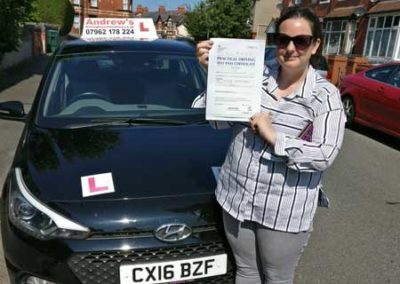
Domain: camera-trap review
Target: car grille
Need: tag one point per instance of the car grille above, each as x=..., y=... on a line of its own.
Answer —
x=103, y=267
x=144, y=234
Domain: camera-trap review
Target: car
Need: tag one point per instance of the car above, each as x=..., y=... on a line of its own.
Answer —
x=113, y=178
x=372, y=98
x=270, y=55
x=319, y=62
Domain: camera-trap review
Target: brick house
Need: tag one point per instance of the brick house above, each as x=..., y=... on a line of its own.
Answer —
x=99, y=9
x=169, y=24
x=368, y=28
x=357, y=33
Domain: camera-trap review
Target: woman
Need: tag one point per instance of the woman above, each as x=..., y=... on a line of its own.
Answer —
x=270, y=183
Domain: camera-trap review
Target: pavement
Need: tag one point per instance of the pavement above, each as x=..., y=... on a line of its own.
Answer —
x=19, y=83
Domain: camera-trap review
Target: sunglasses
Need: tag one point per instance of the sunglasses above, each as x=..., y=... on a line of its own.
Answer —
x=301, y=42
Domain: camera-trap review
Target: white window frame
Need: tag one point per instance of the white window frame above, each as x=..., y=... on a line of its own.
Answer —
x=374, y=47
x=329, y=32
x=93, y=3
x=125, y=5
x=77, y=21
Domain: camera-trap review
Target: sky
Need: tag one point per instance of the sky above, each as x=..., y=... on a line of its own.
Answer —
x=169, y=4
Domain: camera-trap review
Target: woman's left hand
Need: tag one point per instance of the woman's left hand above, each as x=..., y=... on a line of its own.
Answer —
x=262, y=125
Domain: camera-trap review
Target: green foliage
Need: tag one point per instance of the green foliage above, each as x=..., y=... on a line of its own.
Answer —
x=220, y=18
x=13, y=13
x=58, y=12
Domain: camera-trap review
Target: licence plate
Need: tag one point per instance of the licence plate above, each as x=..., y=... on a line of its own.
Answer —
x=171, y=271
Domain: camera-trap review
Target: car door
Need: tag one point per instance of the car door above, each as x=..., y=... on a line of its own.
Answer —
x=373, y=101
x=391, y=102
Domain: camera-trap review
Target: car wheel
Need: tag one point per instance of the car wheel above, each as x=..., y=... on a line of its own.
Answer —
x=349, y=109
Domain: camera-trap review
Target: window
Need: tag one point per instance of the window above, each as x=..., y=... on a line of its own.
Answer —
x=93, y=3
x=381, y=37
x=99, y=85
x=324, y=1
x=380, y=74
x=76, y=2
x=394, y=79
x=334, y=34
x=296, y=2
x=125, y=5
x=76, y=21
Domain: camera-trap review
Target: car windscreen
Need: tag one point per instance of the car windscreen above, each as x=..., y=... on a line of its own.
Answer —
x=127, y=85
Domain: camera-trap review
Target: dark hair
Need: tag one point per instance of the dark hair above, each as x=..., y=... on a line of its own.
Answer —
x=307, y=14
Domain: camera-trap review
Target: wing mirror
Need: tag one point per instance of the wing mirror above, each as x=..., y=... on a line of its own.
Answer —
x=12, y=110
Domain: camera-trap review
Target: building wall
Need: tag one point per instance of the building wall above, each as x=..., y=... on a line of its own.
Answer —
x=182, y=31
x=322, y=10
x=104, y=9
x=24, y=51
x=264, y=11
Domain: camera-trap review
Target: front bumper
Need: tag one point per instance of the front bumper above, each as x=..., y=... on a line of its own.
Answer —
x=98, y=260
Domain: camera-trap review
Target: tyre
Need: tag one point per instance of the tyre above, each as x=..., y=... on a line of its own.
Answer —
x=349, y=109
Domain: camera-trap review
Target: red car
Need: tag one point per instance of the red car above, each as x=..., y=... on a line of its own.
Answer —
x=372, y=98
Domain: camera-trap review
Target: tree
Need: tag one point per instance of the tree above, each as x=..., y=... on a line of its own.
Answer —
x=13, y=13
x=220, y=18
x=58, y=12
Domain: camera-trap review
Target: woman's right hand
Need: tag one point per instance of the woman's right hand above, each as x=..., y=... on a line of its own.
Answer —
x=202, y=50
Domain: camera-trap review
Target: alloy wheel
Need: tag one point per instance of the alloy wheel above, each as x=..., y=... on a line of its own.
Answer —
x=349, y=109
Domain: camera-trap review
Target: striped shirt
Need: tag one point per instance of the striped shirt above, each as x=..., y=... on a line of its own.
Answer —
x=278, y=186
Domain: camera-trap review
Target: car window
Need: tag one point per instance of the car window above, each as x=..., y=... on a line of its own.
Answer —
x=395, y=78
x=122, y=84
x=380, y=74
x=270, y=53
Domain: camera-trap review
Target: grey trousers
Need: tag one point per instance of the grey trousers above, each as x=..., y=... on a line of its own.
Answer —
x=263, y=255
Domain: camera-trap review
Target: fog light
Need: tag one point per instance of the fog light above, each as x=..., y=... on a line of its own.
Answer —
x=36, y=280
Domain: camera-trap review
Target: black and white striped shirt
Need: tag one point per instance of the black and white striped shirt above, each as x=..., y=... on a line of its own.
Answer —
x=277, y=186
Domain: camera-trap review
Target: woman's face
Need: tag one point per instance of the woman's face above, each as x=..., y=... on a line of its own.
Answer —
x=290, y=57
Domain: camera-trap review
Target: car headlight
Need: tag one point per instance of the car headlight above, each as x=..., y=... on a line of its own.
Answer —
x=36, y=219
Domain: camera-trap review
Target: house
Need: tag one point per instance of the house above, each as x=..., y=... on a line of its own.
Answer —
x=99, y=9
x=169, y=24
x=358, y=27
x=356, y=31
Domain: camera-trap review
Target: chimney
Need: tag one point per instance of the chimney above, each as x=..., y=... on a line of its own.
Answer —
x=161, y=9
x=140, y=9
x=181, y=10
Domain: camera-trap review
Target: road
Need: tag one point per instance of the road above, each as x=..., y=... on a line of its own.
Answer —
x=356, y=240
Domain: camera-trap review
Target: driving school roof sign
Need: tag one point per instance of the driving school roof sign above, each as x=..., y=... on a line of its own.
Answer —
x=98, y=29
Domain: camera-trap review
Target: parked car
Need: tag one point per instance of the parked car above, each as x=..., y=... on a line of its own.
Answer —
x=114, y=175
x=270, y=55
x=372, y=98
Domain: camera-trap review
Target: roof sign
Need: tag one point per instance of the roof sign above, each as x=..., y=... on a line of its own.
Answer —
x=100, y=29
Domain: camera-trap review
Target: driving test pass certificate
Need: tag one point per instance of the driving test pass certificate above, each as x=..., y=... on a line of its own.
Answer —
x=235, y=73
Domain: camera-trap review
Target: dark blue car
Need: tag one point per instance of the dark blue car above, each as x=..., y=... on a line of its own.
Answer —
x=113, y=179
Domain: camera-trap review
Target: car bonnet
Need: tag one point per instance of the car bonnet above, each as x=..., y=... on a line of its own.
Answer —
x=143, y=162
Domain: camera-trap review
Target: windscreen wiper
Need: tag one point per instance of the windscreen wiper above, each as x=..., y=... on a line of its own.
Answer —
x=130, y=121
